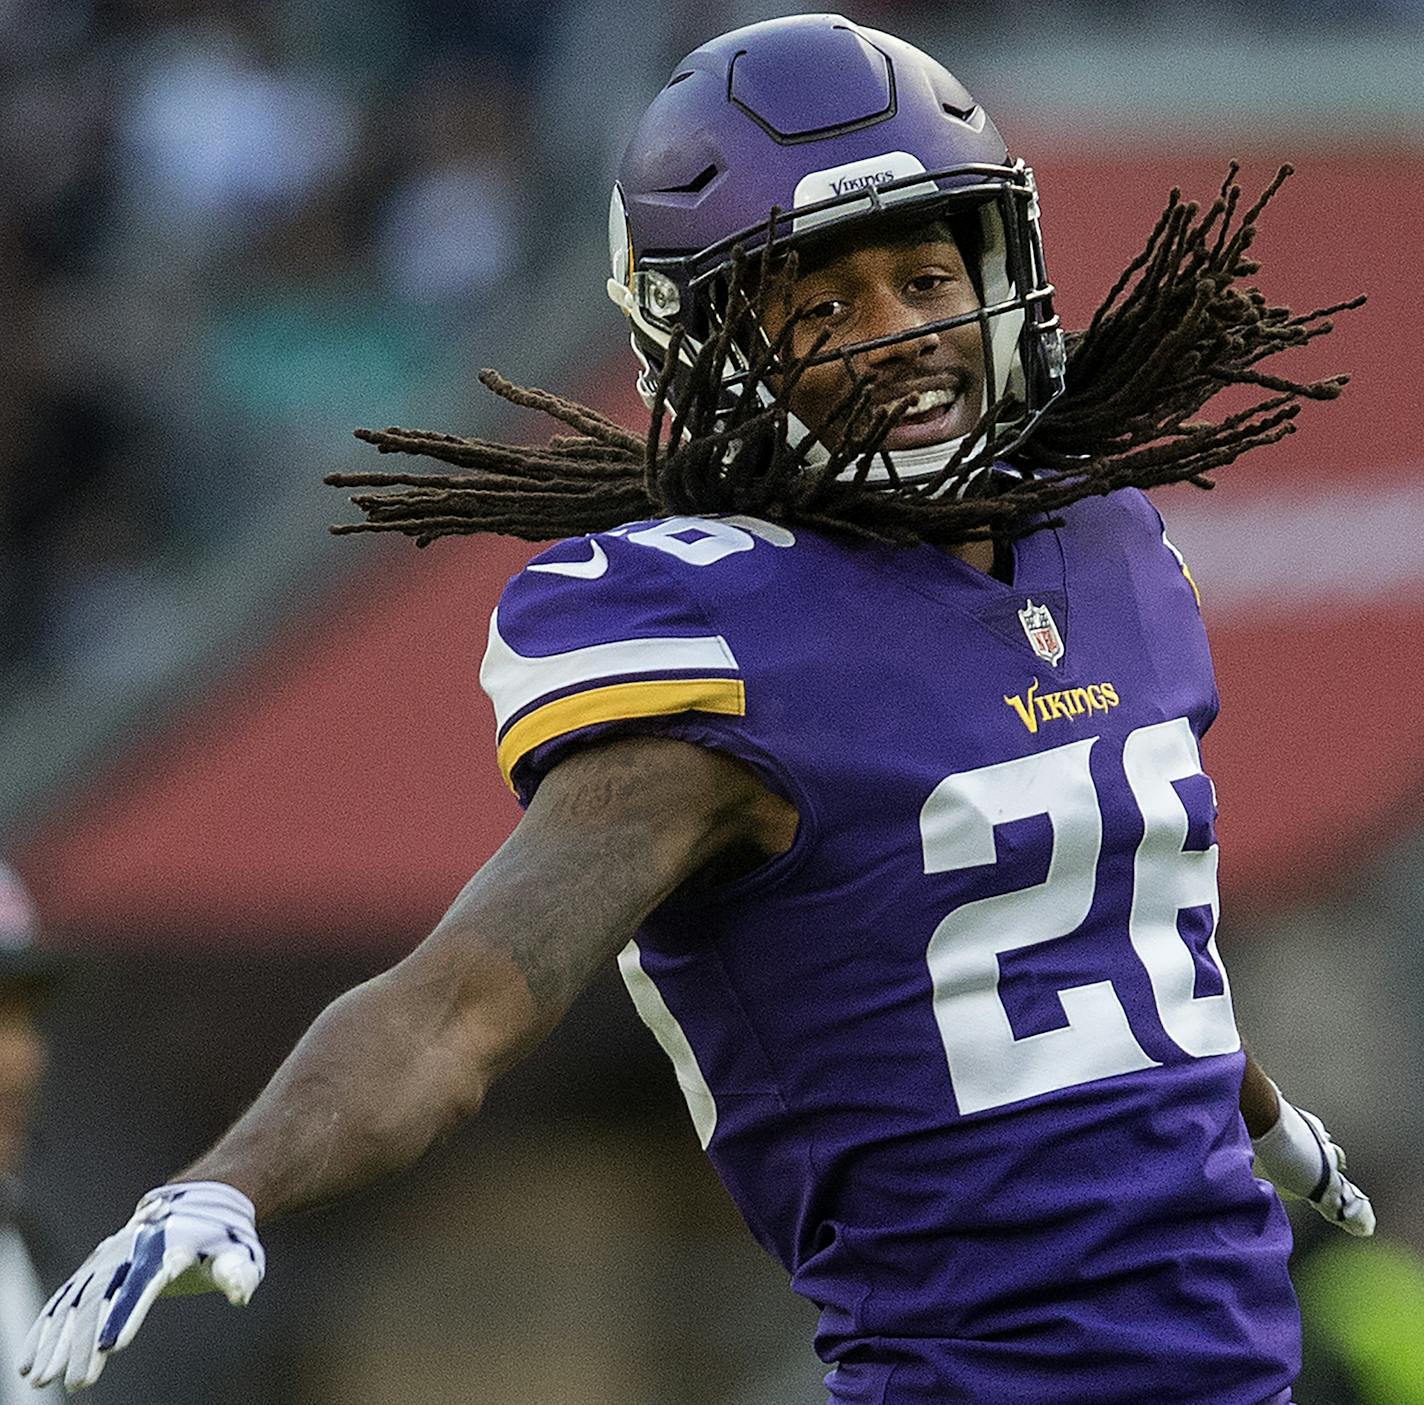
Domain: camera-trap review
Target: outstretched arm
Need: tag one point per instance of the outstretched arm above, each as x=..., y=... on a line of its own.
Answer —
x=392, y=1065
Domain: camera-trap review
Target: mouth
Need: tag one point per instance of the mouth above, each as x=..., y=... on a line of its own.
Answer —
x=932, y=414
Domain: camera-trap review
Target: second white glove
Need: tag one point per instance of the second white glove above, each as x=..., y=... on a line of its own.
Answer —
x=1298, y=1156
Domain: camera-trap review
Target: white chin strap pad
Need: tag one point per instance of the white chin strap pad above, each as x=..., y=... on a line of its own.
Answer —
x=910, y=465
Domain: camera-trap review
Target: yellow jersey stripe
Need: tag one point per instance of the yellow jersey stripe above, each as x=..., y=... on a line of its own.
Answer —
x=1186, y=570
x=515, y=681
x=618, y=702
x=1191, y=581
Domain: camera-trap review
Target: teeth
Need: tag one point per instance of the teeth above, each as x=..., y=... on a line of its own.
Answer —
x=923, y=401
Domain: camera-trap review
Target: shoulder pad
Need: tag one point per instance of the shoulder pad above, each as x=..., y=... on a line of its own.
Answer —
x=601, y=629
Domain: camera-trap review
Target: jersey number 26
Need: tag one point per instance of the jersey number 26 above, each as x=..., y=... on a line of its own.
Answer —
x=988, y=1065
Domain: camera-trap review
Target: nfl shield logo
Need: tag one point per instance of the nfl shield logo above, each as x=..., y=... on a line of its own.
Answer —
x=1042, y=632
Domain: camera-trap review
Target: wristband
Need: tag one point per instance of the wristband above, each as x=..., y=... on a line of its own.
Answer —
x=1291, y=1155
x=203, y=1195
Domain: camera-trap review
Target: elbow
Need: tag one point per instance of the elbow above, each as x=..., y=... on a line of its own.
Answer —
x=464, y=1034
x=465, y=1081
x=465, y=1011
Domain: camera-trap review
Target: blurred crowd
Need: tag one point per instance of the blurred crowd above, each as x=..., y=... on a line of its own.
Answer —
x=219, y=222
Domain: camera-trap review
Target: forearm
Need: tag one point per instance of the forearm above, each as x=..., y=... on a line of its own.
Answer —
x=396, y=1063
x=381, y=1074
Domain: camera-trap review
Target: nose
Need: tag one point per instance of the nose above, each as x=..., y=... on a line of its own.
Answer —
x=890, y=317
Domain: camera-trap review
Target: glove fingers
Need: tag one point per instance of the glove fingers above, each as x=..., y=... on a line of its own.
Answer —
x=146, y=1266
x=53, y=1355
x=39, y=1340
x=237, y=1271
x=1340, y=1200
x=84, y=1346
x=1357, y=1215
x=121, y=1328
x=86, y=1359
x=53, y=1363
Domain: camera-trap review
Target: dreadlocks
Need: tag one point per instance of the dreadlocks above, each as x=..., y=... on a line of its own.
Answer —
x=1174, y=330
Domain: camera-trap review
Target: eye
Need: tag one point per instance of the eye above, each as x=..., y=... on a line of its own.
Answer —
x=826, y=310
x=931, y=282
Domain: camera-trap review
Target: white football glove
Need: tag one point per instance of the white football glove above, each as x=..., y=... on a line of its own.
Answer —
x=183, y=1238
x=1298, y=1156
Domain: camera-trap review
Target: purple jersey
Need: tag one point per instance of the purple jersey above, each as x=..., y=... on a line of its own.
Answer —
x=964, y=1056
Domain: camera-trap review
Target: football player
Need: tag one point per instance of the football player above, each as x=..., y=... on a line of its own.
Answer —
x=859, y=715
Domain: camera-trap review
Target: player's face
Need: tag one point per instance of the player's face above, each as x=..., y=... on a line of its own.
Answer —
x=22, y=1063
x=878, y=290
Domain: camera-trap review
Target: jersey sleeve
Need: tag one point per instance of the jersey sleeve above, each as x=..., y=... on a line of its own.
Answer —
x=1153, y=518
x=594, y=636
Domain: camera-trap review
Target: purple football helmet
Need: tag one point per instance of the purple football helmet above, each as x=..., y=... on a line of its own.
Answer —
x=833, y=126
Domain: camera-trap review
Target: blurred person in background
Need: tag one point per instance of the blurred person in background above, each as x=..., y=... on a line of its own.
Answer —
x=448, y=233
x=1005, y=1168
x=27, y=977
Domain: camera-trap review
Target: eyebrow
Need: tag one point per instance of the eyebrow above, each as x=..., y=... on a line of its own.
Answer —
x=818, y=262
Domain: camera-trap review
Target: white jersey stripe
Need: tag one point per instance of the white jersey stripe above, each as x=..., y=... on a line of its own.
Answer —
x=515, y=680
x=669, y=1033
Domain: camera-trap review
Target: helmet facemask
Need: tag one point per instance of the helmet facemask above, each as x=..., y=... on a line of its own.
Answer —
x=991, y=213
